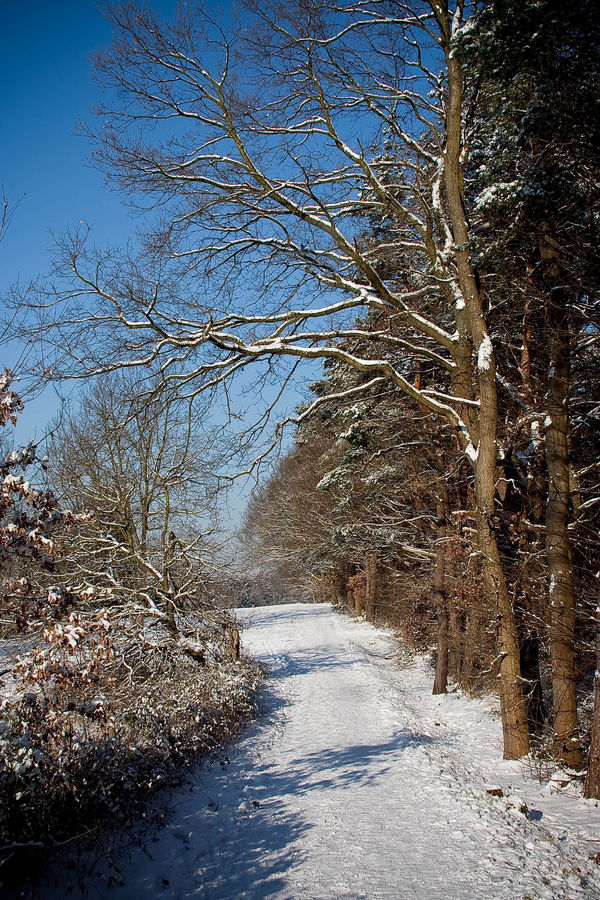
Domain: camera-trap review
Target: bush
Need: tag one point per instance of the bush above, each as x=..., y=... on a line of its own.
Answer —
x=93, y=733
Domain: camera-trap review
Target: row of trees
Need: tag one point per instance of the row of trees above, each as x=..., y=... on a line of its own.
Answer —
x=372, y=510
x=431, y=168
x=531, y=195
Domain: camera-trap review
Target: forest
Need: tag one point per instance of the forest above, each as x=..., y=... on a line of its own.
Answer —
x=395, y=206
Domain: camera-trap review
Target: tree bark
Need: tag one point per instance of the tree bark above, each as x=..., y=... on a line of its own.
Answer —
x=440, y=682
x=371, y=587
x=513, y=708
x=342, y=593
x=168, y=541
x=530, y=672
x=591, y=786
x=357, y=604
x=172, y=618
x=566, y=745
x=473, y=640
x=483, y=450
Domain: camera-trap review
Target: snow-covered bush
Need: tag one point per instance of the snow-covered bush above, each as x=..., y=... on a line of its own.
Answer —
x=106, y=702
x=93, y=733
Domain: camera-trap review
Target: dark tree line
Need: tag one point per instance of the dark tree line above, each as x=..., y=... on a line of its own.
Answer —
x=531, y=192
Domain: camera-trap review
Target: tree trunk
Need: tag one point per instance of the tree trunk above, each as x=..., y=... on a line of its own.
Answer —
x=455, y=642
x=566, y=746
x=440, y=682
x=171, y=618
x=357, y=604
x=530, y=672
x=371, y=587
x=513, y=707
x=481, y=446
x=169, y=542
x=342, y=593
x=591, y=787
x=473, y=641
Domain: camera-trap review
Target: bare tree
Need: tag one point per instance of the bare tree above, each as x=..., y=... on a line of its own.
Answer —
x=255, y=148
x=141, y=471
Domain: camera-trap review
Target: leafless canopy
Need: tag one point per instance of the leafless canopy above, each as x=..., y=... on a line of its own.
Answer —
x=269, y=151
x=307, y=166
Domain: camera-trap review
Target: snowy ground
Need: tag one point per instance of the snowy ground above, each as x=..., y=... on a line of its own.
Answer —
x=356, y=783
x=10, y=649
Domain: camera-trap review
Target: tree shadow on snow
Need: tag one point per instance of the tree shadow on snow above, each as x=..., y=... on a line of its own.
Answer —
x=250, y=843
x=303, y=662
x=353, y=766
x=256, y=850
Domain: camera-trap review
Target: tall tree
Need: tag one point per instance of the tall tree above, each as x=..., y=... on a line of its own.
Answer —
x=534, y=182
x=255, y=148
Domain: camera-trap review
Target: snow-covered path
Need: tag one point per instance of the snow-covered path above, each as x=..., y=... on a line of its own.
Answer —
x=355, y=782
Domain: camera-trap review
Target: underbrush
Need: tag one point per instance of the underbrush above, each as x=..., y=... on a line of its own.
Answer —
x=97, y=726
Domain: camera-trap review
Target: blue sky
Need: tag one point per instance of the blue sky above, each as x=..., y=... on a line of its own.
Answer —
x=47, y=89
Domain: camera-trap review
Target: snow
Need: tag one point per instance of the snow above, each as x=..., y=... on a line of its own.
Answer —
x=355, y=782
x=536, y=438
x=484, y=354
x=10, y=650
x=500, y=192
x=328, y=480
x=472, y=452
